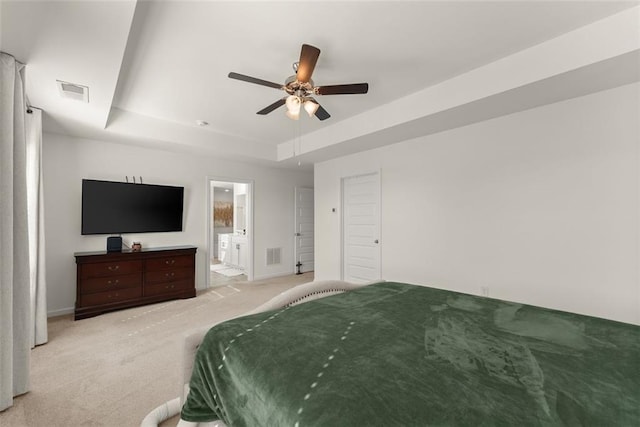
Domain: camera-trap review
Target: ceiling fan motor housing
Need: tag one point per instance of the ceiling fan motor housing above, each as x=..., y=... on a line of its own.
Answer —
x=294, y=87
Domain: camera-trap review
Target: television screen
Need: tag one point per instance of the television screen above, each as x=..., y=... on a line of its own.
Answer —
x=117, y=207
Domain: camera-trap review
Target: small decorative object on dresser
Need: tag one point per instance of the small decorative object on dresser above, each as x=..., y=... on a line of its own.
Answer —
x=136, y=247
x=109, y=281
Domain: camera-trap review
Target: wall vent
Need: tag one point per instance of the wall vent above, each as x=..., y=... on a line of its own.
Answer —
x=73, y=91
x=273, y=256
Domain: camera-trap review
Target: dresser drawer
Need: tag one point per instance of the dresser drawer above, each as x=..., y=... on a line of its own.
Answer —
x=101, y=269
x=169, y=262
x=99, y=298
x=172, y=275
x=167, y=288
x=110, y=283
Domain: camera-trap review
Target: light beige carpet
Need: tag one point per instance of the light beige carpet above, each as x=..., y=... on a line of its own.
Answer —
x=113, y=369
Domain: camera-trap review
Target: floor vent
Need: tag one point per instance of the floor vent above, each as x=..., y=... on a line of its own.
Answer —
x=273, y=256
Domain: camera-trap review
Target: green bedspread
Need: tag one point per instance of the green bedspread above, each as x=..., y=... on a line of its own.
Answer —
x=404, y=355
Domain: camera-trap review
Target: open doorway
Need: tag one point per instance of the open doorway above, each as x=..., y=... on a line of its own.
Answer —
x=230, y=231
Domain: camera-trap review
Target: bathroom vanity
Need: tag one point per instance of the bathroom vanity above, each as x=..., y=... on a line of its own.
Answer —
x=232, y=250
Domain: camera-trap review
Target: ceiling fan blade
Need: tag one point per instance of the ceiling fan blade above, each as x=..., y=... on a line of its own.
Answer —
x=254, y=80
x=279, y=103
x=308, y=58
x=321, y=113
x=349, y=89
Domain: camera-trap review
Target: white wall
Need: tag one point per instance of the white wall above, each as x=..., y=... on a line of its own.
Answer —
x=540, y=206
x=68, y=160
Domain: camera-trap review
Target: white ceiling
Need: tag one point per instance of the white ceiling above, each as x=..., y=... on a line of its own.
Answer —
x=155, y=67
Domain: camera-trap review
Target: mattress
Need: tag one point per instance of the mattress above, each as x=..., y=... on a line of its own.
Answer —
x=400, y=354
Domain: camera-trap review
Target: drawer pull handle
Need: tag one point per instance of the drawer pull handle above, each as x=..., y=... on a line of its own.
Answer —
x=172, y=274
x=115, y=282
x=169, y=286
x=170, y=261
x=113, y=267
x=114, y=296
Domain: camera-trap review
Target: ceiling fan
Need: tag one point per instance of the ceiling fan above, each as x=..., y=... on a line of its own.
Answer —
x=300, y=88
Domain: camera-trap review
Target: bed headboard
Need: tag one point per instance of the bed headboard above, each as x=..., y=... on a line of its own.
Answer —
x=307, y=292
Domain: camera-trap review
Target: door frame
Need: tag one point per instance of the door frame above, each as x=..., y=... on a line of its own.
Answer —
x=209, y=222
x=378, y=175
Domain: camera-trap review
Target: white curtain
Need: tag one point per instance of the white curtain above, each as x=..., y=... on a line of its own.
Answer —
x=15, y=312
x=35, y=209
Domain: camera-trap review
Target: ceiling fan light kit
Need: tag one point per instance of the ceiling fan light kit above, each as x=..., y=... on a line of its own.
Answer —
x=293, y=107
x=300, y=88
x=311, y=107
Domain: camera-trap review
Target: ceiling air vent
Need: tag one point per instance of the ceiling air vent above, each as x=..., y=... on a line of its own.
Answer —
x=73, y=91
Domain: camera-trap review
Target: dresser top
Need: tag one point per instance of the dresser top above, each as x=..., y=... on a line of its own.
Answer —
x=124, y=252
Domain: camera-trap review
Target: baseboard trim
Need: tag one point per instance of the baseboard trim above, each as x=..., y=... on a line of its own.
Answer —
x=273, y=275
x=61, y=312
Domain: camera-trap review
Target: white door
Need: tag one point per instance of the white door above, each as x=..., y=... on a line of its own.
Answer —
x=361, y=228
x=304, y=252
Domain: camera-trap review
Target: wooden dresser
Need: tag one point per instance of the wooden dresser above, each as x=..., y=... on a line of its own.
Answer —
x=108, y=281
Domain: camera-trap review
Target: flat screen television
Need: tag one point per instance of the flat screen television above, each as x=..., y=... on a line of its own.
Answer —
x=117, y=207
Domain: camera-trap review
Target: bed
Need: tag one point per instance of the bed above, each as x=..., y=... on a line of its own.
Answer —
x=398, y=354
